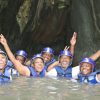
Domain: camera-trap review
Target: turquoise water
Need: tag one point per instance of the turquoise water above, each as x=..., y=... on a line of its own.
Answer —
x=23, y=88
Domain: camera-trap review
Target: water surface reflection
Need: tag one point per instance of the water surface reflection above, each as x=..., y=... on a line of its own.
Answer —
x=23, y=88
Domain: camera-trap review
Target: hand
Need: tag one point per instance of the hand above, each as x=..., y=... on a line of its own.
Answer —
x=2, y=40
x=66, y=48
x=73, y=39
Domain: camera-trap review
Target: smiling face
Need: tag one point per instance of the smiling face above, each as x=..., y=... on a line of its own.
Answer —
x=47, y=56
x=3, y=61
x=65, y=61
x=38, y=64
x=86, y=68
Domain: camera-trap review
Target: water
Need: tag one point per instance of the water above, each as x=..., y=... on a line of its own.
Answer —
x=23, y=88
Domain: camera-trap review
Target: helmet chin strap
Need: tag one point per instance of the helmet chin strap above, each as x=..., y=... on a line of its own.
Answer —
x=2, y=70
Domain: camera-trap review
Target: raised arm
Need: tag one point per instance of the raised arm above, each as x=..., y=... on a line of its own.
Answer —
x=21, y=68
x=95, y=56
x=73, y=42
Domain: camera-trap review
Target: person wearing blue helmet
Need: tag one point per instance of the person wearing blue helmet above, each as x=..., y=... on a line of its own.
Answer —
x=37, y=67
x=5, y=75
x=87, y=70
x=64, y=69
x=48, y=56
x=21, y=56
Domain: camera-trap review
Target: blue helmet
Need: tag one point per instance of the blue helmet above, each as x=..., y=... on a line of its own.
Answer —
x=21, y=53
x=66, y=53
x=36, y=56
x=48, y=50
x=88, y=60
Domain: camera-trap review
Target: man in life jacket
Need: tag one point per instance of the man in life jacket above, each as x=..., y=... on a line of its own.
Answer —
x=5, y=74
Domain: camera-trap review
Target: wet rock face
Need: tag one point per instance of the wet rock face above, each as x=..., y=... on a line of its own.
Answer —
x=86, y=23
x=34, y=24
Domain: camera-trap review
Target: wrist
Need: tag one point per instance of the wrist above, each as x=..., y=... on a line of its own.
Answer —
x=73, y=45
x=5, y=45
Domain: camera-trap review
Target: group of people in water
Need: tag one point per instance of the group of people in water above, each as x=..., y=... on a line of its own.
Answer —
x=44, y=64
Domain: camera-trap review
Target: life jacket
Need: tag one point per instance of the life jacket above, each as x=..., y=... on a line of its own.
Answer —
x=49, y=63
x=33, y=73
x=6, y=75
x=89, y=78
x=14, y=72
x=12, y=69
x=64, y=73
x=9, y=64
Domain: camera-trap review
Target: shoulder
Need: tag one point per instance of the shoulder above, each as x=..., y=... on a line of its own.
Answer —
x=75, y=72
x=76, y=69
x=98, y=77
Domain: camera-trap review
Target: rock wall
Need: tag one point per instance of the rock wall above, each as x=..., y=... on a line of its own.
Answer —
x=85, y=20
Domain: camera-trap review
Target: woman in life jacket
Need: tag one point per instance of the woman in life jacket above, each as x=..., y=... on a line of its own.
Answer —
x=87, y=72
x=37, y=66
